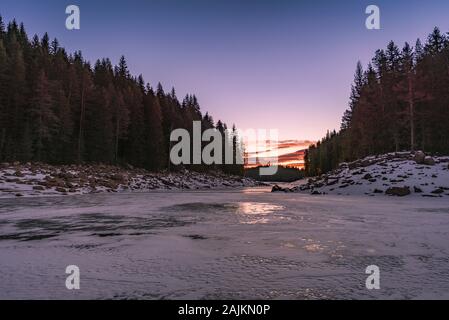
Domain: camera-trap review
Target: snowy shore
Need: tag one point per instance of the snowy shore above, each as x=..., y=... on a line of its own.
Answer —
x=28, y=180
x=393, y=174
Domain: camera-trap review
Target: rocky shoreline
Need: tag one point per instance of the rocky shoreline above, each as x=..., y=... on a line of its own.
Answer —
x=393, y=174
x=37, y=179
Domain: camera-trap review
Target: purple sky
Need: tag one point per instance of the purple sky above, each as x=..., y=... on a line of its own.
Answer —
x=285, y=65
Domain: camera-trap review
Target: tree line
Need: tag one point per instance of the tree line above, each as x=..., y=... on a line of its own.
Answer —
x=400, y=102
x=57, y=108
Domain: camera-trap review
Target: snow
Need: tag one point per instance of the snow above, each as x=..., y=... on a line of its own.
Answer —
x=232, y=244
x=35, y=180
x=373, y=176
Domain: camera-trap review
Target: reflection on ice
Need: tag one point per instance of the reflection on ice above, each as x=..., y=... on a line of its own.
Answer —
x=257, y=212
x=258, y=208
x=246, y=212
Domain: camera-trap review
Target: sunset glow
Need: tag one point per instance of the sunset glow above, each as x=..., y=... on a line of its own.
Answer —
x=288, y=153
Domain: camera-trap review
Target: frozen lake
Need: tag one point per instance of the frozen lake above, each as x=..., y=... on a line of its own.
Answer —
x=224, y=244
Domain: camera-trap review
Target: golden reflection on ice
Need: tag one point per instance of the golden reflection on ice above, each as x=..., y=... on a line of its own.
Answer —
x=256, y=212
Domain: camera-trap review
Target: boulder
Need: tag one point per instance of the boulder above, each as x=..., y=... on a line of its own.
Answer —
x=367, y=176
x=277, y=188
x=429, y=161
x=438, y=191
x=398, y=191
x=417, y=190
x=117, y=177
x=419, y=157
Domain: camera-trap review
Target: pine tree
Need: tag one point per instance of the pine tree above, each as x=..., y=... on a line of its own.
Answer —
x=2, y=28
x=3, y=88
x=54, y=47
x=42, y=117
x=45, y=43
x=16, y=87
x=355, y=96
x=435, y=42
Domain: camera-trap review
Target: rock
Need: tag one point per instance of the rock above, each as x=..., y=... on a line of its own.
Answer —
x=419, y=157
x=54, y=182
x=354, y=165
x=438, y=191
x=65, y=175
x=378, y=191
x=398, y=191
x=315, y=192
x=332, y=182
x=109, y=184
x=343, y=165
x=367, y=163
x=61, y=190
x=277, y=188
x=19, y=174
x=39, y=188
x=117, y=177
x=429, y=161
x=372, y=180
x=19, y=195
x=367, y=176
x=417, y=190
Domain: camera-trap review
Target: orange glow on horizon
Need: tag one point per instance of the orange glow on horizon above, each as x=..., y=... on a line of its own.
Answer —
x=287, y=153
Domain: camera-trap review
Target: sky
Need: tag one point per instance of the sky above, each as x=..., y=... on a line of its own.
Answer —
x=285, y=65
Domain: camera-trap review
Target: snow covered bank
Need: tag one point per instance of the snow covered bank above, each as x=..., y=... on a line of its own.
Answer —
x=19, y=180
x=394, y=174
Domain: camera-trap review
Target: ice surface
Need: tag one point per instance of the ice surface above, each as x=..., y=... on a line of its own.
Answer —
x=224, y=244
